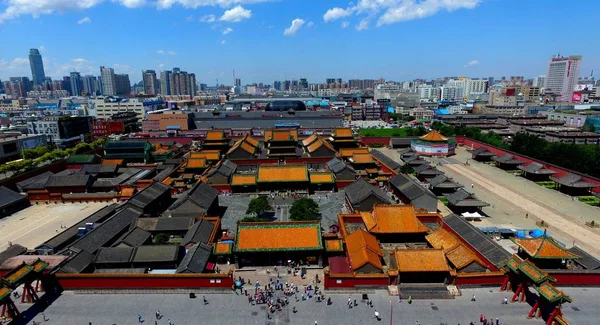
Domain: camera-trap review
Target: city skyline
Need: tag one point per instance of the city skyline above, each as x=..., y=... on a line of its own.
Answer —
x=265, y=41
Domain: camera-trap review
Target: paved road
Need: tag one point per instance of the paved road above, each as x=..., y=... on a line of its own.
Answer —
x=512, y=197
x=38, y=223
x=230, y=309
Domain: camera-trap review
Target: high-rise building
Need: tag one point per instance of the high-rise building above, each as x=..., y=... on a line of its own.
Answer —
x=66, y=84
x=122, y=84
x=165, y=84
x=182, y=83
x=192, y=84
x=90, y=85
x=478, y=86
x=303, y=84
x=238, y=82
x=539, y=81
x=109, y=83
x=37, y=67
x=150, y=82
x=277, y=85
x=76, y=84
x=562, y=76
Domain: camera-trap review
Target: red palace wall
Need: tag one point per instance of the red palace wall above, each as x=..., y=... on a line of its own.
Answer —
x=224, y=188
x=482, y=279
x=292, y=161
x=498, y=151
x=341, y=184
x=144, y=281
x=351, y=281
x=385, y=141
x=576, y=279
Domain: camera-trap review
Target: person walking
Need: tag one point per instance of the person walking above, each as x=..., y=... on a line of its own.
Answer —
x=204, y=300
x=473, y=298
x=157, y=314
x=139, y=318
x=169, y=322
x=376, y=314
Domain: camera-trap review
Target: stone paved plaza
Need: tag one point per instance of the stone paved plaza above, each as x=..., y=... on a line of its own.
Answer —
x=231, y=309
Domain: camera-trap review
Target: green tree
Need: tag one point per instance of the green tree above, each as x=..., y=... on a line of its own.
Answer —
x=253, y=219
x=161, y=239
x=304, y=209
x=259, y=205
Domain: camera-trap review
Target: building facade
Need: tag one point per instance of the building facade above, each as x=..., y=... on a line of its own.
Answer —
x=37, y=67
x=108, y=81
x=150, y=82
x=76, y=84
x=65, y=132
x=563, y=75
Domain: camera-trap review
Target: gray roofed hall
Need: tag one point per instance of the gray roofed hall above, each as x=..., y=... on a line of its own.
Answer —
x=195, y=202
x=482, y=152
x=426, y=170
x=195, y=259
x=110, y=255
x=442, y=181
x=387, y=161
x=573, y=180
x=360, y=190
x=12, y=251
x=413, y=159
x=462, y=198
x=156, y=253
x=419, y=196
x=34, y=183
x=200, y=232
x=134, y=237
x=336, y=166
x=74, y=180
x=174, y=224
x=226, y=168
x=64, y=238
x=483, y=244
x=149, y=194
x=536, y=168
x=507, y=159
x=164, y=173
x=173, y=161
x=78, y=262
x=588, y=261
x=10, y=197
x=405, y=141
x=108, y=231
x=99, y=169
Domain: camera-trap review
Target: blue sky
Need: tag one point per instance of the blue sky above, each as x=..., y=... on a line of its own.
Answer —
x=286, y=39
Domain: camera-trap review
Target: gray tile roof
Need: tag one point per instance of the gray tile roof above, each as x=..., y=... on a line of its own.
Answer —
x=108, y=231
x=112, y=255
x=336, y=166
x=483, y=152
x=174, y=224
x=78, y=262
x=587, y=261
x=194, y=202
x=10, y=197
x=536, y=168
x=34, y=183
x=149, y=194
x=99, y=169
x=462, y=198
x=507, y=159
x=195, y=259
x=384, y=159
x=442, y=181
x=69, y=181
x=199, y=233
x=12, y=251
x=486, y=246
x=226, y=168
x=401, y=141
x=427, y=169
x=64, y=238
x=134, y=237
x=572, y=180
x=358, y=191
x=156, y=253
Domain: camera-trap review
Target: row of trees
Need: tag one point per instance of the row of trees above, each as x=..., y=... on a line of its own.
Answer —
x=36, y=156
x=582, y=158
x=301, y=210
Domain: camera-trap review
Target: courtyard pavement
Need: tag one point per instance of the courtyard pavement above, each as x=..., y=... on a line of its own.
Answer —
x=230, y=309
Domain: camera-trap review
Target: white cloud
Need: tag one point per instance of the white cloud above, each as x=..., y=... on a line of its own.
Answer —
x=131, y=3
x=236, y=14
x=85, y=20
x=394, y=11
x=310, y=24
x=227, y=31
x=345, y=24
x=161, y=65
x=336, y=13
x=161, y=52
x=122, y=68
x=208, y=18
x=42, y=48
x=223, y=42
x=79, y=61
x=172, y=53
x=189, y=19
x=471, y=63
x=11, y=9
x=364, y=24
x=294, y=27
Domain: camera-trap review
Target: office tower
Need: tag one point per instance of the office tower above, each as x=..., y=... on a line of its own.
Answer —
x=563, y=75
x=182, y=83
x=192, y=84
x=66, y=84
x=539, y=81
x=99, y=88
x=109, y=84
x=150, y=82
x=165, y=84
x=76, y=84
x=238, y=82
x=37, y=67
x=90, y=85
x=277, y=85
x=303, y=84
x=122, y=84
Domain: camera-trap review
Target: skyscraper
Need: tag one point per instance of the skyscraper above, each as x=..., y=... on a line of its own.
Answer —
x=109, y=85
x=89, y=85
x=37, y=67
x=165, y=83
x=539, y=81
x=122, y=84
x=562, y=76
x=76, y=84
x=238, y=82
x=150, y=82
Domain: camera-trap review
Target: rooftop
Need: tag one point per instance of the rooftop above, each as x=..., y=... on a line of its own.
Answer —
x=393, y=219
x=544, y=248
x=278, y=236
x=288, y=173
x=421, y=260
